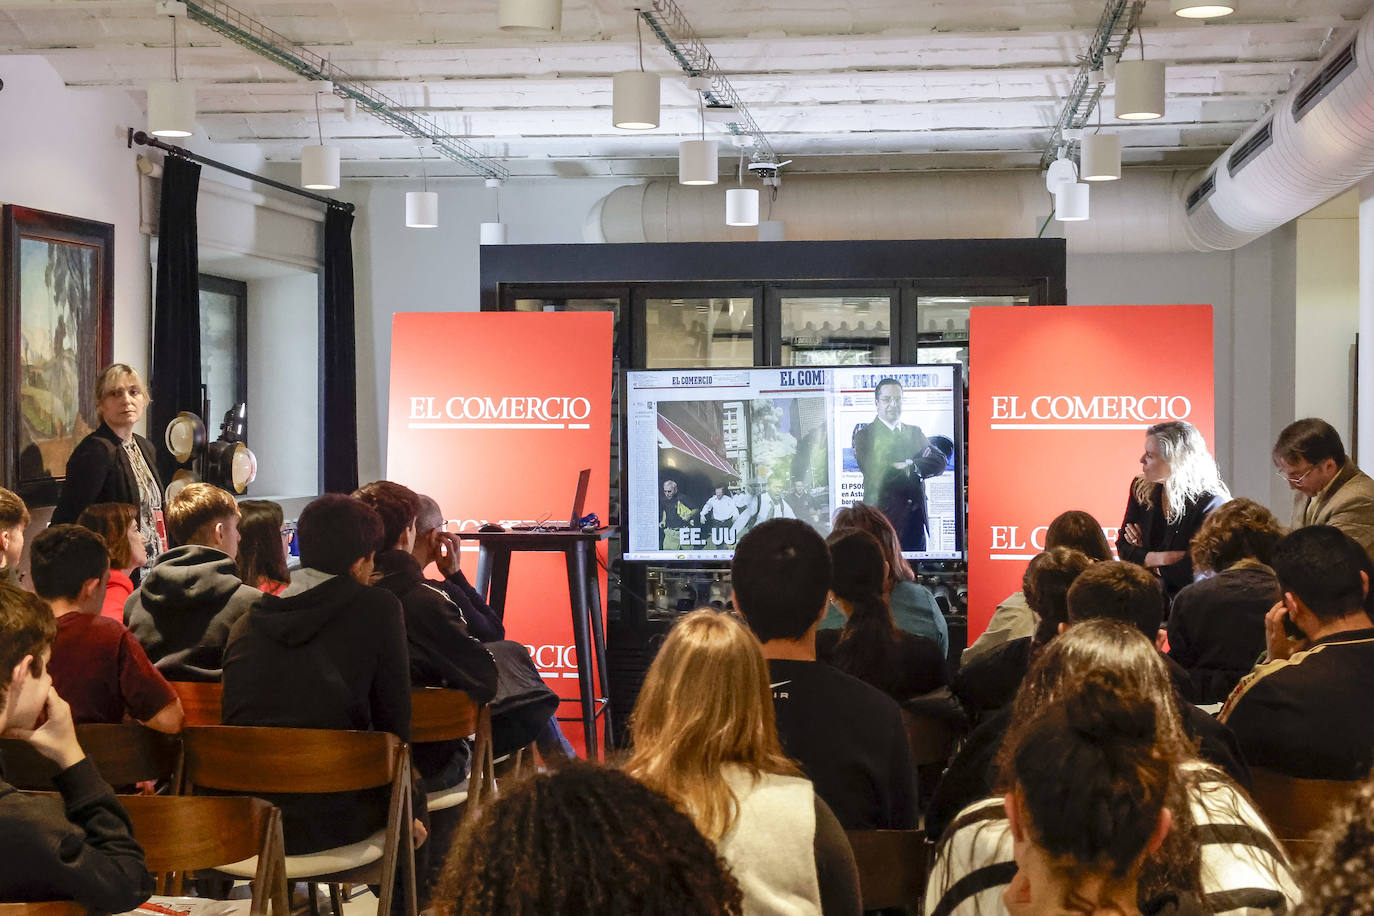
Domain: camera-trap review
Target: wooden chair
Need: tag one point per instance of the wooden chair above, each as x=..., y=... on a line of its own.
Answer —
x=125, y=754
x=252, y=760
x=45, y=908
x=1297, y=808
x=437, y=714
x=201, y=701
x=893, y=867
x=181, y=834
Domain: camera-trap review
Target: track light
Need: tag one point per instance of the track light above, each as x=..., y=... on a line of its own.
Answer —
x=1201, y=9
x=172, y=103
x=540, y=15
x=1100, y=156
x=1071, y=202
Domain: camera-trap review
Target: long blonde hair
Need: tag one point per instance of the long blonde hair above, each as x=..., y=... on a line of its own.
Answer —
x=1192, y=469
x=706, y=703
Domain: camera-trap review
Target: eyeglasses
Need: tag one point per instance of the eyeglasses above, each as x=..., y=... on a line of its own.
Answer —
x=1296, y=480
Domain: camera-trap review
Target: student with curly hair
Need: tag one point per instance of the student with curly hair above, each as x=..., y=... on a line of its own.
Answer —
x=1218, y=844
x=704, y=736
x=1341, y=877
x=583, y=839
x=1216, y=626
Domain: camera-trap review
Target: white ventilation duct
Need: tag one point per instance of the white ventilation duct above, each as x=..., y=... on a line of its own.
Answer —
x=1317, y=141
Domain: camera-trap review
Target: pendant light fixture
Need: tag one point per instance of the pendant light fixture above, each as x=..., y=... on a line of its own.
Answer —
x=1100, y=157
x=494, y=233
x=741, y=203
x=1071, y=202
x=535, y=15
x=422, y=207
x=172, y=103
x=697, y=160
x=1140, y=88
x=772, y=230
x=1201, y=9
x=320, y=164
x=634, y=95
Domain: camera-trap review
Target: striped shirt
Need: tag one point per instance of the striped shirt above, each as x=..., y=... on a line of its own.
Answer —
x=1243, y=868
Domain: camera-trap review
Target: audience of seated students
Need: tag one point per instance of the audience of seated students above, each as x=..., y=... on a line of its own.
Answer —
x=80, y=846
x=988, y=682
x=1014, y=617
x=117, y=526
x=1080, y=844
x=1118, y=591
x=870, y=646
x=97, y=666
x=261, y=559
x=914, y=609
x=579, y=840
x=1218, y=842
x=1340, y=878
x=14, y=518
x=1216, y=625
x=704, y=736
x=1306, y=711
x=183, y=610
x=329, y=652
x=524, y=703
x=848, y=736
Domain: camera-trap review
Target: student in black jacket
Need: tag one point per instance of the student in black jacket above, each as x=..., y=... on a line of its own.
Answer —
x=79, y=848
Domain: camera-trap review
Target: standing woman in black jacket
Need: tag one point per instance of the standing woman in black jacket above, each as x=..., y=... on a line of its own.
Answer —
x=114, y=464
x=1177, y=487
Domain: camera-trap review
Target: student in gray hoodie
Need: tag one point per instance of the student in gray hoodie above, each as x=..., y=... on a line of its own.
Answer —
x=182, y=612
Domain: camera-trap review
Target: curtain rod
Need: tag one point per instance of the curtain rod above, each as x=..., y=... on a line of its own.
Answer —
x=143, y=139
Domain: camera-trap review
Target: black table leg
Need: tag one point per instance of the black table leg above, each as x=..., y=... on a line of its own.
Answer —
x=587, y=549
x=581, y=612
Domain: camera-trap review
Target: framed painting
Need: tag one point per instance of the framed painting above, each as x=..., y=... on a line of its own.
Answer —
x=57, y=303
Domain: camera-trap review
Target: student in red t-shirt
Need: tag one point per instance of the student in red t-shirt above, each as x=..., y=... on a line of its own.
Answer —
x=117, y=525
x=97, y=666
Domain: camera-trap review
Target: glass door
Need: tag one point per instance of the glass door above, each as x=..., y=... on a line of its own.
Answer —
x=831, y=327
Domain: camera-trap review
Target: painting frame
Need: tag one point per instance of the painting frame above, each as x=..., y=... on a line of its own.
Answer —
x=83, y=270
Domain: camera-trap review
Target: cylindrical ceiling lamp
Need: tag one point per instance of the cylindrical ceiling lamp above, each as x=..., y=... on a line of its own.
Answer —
x=171, y=108
x=320, y=168
x=1139, y=90
x=634, y=104
x=1101, y=157
x=742, y=207
x=493, y=234
x=422, y=209
x=772, y=230
x=697, y=162
x=1071, y=202
x=544, y=15
x=1201, y=9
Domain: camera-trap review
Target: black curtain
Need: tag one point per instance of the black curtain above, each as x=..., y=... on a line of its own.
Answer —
x=338, y=360
x=174, y=376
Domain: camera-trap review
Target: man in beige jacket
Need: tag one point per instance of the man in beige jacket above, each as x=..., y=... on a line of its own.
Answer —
x=1330, y=489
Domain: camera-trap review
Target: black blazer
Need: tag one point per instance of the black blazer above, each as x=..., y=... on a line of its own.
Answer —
x=99, y=472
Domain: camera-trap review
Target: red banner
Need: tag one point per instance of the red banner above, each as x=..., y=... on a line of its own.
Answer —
x=1059, y=401
x=493, y=414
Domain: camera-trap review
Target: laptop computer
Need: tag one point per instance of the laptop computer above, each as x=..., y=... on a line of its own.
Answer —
x=578, y=507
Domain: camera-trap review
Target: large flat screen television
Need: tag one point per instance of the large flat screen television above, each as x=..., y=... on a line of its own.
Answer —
x=713, y=452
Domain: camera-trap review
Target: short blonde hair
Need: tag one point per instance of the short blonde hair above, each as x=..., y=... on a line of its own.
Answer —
x=109, y=379
x=705, y=703
x=195, y=508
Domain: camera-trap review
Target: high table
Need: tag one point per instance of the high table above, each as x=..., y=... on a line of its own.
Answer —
x=584, y=591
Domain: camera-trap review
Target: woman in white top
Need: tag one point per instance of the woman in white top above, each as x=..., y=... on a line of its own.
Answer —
x=704, y=736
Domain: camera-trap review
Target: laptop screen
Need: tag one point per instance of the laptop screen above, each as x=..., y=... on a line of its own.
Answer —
x=580, y=500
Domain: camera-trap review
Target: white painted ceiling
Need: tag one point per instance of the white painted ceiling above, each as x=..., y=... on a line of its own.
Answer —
x=837, y=85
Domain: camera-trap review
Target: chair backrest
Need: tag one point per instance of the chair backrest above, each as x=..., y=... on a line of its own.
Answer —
x=437, y=714
x=932, y=739
x=1296, y=808
x=125, y=753
x=202, y=701
x=893, y=866
x=236, y=758
x=46, y=908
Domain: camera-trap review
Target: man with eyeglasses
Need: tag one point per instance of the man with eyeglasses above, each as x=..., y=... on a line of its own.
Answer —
x=1330, y=489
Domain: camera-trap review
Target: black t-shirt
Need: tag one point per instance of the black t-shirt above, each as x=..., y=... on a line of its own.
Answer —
x=851, y=742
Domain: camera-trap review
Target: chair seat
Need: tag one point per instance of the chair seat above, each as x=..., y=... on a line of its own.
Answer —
x=447, y=798
x=325, y=862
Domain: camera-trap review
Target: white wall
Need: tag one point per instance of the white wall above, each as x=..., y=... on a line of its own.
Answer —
x=284, y=385
x=437, y=270
x=1252, y=293
x=1329, y=302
